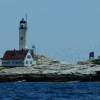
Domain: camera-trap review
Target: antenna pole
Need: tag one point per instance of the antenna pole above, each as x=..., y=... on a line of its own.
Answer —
x=26, y=17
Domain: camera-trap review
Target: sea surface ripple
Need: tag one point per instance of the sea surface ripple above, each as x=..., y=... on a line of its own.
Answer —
x=50, y=91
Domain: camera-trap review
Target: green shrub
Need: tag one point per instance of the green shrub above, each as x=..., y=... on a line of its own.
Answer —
x=96, y=61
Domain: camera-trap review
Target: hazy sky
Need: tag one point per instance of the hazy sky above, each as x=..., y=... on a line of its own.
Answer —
x=62, y=29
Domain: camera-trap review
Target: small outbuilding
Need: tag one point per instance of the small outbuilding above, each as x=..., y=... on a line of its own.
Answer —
x=0, y=62
x=18, y=58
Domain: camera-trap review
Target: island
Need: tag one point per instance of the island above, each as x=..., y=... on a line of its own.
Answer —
x=24, y=64
x=51, y=71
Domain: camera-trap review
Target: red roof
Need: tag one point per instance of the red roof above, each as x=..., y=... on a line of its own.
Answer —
x=15, y=55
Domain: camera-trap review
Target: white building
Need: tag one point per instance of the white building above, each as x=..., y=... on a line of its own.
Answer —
x=17, y=58
x=23, y=56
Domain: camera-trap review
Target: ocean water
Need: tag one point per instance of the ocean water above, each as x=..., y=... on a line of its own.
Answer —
x=50, y=91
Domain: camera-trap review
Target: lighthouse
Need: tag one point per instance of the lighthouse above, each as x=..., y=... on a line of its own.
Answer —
x=22, y=34
x=23, y=56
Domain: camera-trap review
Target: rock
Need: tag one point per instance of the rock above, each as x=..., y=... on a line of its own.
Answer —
x=51, y=72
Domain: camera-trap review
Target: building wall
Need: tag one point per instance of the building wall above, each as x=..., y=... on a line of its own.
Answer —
x=29, y=61
x=0, y=62
x=12, y=63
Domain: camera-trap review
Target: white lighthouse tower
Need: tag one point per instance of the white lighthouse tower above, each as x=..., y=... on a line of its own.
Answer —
x=22, y=34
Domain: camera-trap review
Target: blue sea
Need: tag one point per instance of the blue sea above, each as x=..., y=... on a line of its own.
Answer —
x=50, y=91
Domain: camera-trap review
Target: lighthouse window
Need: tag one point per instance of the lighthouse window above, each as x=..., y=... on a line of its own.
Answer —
x=28, y=56
x=26, y=62
x=30, y=62
x=21, y=38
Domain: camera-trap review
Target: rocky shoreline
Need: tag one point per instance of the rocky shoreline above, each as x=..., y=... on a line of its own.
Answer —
x=47, y=78
x=51, y=73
